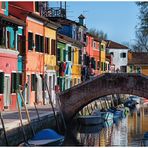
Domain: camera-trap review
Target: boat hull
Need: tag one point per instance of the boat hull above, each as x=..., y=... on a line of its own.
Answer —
x=90, y=120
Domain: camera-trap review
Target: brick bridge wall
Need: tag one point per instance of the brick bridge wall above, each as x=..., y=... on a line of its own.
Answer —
x=75, y=98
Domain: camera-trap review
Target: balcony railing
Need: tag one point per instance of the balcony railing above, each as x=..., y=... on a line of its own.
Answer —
x=55, y=12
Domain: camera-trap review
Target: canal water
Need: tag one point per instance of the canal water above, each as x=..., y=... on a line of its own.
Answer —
x=127, y=131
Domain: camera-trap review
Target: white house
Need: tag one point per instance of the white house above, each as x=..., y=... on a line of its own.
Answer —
x=119, y=55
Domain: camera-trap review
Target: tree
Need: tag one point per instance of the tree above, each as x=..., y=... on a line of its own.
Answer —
x=141, y=42
x=98, y=33
x=143, y=17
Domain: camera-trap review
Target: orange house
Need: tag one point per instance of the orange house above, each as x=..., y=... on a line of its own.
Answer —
x=33, y=68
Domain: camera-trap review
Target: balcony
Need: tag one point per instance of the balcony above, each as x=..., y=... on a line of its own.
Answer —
x=55, y=12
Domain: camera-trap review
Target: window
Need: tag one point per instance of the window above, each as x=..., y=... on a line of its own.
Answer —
x=94, y=45
x=30, y=41
x=123, y=55
x=80, y=57
x=3, y=6
x=39, y=43
x=93, y=63
x=33, y=82
x=1, y=82
x=69, y=53
x=102, y=48
x=53, y=47
x=102, y=67
x=64, y=55
x=98, y=65
x=111, y=53
x=58, y=54
x=37, y=6
x=2, y=36
x=92, y=42
x=47, y=45
x=14, y=82
x=86, y=40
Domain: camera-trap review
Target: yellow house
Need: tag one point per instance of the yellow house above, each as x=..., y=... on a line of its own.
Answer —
x=76, y=66
x=50, y=32
x=138, y=62
x=103, y=56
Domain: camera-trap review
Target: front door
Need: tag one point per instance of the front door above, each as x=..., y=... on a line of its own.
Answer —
x=6, y=91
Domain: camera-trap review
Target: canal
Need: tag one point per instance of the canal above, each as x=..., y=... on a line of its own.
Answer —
x=127, y=131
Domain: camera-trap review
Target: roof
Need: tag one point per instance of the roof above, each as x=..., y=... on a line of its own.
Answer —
x=12, y=19
x=81, y=17
x=138, y=58
x=67, y=39
x=115, y=45
x=65, y=21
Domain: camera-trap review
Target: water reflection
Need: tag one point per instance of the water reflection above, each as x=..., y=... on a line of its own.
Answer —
x=123, y=132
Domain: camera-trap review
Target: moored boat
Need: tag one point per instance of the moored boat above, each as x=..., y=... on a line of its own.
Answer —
x=107, y=115
x=46, y=137
x=90, y=120
x=90, y=129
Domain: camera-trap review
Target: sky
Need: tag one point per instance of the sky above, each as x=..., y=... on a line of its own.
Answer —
x=117, y=19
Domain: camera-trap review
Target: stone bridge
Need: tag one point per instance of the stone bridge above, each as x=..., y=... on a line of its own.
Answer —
x=75, y=98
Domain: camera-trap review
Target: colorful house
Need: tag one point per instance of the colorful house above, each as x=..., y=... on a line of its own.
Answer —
x=39, y=56
x=68, y=57
x=11, y=31
x=75, y=32
x=104, y=63
x=119, y=54
x=93, y=51
x=138, y=62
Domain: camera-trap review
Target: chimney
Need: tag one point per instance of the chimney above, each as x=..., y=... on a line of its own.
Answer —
x=81, y=19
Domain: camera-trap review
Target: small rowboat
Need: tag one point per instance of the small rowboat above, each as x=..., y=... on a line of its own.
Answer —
x=46, y=137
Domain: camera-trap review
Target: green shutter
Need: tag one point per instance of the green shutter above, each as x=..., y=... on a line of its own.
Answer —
x=64, y=55
x=1, y=82
x=13, y=82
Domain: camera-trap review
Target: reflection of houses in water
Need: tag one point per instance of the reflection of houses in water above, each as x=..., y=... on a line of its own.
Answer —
x=120, y=134
x=144, y=118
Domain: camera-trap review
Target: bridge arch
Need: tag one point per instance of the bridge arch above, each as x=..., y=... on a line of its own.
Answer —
x=75, y=98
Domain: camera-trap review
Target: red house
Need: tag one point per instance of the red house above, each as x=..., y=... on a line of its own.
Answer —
x=93, y=50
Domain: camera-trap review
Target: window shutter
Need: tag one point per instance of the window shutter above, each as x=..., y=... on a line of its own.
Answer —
x=64, y=55
x=53, y=47
x=14, y=82
x=1, y=82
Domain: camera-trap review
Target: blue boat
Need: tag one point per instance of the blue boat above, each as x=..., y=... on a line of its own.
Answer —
x=46, y=137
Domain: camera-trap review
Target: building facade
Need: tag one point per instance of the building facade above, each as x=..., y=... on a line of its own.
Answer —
x=11, y=30
x=138, y=62
x=119, y=55
x=40, y=52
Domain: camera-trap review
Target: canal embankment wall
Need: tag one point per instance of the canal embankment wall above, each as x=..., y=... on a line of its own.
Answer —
x=14, y=129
